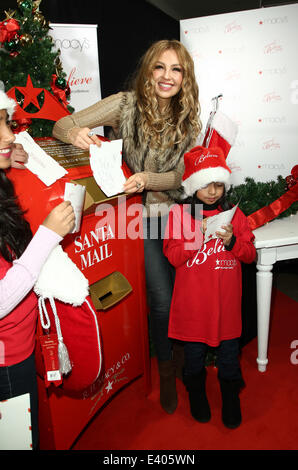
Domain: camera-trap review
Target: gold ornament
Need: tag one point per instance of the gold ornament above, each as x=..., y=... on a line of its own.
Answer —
x=39, y=18
x=26, y=39
x=58, y=66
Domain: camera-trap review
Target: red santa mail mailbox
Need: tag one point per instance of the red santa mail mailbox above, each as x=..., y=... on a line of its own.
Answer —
x=106, y=336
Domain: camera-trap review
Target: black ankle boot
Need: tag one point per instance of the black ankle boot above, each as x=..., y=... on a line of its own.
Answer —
x=231, y=410
x=199, y=406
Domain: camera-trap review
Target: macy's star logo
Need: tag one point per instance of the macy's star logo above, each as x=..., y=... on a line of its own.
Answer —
x=109, y=386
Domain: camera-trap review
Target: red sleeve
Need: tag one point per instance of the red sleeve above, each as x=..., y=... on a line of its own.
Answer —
x=243, y=248
x=183, y=237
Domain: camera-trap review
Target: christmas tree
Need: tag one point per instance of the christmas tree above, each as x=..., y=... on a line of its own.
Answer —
x=29, y=60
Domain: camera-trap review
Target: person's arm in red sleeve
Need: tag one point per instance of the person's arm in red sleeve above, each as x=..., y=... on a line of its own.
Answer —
x=241, y=244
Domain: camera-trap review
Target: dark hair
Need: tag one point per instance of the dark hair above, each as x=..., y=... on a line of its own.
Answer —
x=15, y=232
x=222, y=203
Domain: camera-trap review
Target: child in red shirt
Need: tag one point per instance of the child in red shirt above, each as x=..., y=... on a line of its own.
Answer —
x=22, y=257
x=206, y=303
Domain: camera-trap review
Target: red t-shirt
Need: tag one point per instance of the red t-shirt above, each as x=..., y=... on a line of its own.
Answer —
x=206, y=303
x=17, y=333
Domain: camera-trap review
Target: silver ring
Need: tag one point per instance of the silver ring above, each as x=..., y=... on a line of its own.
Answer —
x=90, y=134
x=138, y=185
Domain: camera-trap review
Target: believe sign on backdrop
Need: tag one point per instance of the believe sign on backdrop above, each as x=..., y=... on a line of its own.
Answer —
x=79, y=57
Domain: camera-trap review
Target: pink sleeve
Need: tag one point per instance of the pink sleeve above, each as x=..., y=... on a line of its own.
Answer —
x=21, y=277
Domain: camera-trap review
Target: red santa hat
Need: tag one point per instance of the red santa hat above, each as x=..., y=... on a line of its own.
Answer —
x=203, y=166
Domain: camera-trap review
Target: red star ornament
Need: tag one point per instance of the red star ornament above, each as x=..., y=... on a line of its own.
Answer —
x=52, y=109
x=30, y=93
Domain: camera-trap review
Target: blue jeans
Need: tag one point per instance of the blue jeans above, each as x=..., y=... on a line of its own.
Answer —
x=227, y=359
x=160, y=278
x=20, y=379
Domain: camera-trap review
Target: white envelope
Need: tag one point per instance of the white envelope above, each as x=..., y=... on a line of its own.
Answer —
x=15, y=423
x=75, y=193
x=105, y=163
x=39, y=162
x=215, y=223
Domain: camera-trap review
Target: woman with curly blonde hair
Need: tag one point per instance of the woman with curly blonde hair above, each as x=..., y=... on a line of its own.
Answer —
x=181, y=110
x=158, y=120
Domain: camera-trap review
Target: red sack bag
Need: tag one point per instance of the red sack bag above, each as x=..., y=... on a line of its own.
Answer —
x=66, y=310
x=79, y=331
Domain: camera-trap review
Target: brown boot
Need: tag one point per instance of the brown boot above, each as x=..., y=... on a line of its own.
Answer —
x=178, y=358
x=168, y=393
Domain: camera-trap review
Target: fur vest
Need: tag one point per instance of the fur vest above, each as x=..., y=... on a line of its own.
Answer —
x=135, y=151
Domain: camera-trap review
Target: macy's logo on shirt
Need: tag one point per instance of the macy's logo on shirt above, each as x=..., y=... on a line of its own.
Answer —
x=225, y=263
x=202, y=255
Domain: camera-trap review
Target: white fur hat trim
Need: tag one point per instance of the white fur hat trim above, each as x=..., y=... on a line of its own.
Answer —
x=7, y=103
x=204, y=177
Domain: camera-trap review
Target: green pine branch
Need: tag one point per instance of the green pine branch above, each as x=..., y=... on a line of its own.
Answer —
x=253, y=195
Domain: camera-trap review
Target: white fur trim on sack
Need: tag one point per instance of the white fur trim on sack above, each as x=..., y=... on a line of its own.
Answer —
x=203, y=177
x=61, y=279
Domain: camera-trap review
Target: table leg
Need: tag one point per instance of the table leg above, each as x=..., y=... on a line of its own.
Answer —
x=264, y=288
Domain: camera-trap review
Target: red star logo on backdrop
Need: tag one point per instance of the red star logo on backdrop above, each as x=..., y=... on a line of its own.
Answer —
x=30, y=93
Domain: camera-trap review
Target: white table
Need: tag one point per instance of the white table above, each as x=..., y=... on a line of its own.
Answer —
x=275, y=241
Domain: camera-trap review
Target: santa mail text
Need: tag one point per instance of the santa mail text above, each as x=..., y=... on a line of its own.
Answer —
x=91, y=246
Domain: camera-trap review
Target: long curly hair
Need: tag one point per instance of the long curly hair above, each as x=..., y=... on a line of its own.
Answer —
x=15, y=232
x=184, y=108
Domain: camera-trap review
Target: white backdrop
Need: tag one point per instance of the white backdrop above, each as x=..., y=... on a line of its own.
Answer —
x=251, y=58
x=79, y=57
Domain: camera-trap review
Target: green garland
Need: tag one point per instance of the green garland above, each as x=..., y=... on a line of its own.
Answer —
x=253, y=195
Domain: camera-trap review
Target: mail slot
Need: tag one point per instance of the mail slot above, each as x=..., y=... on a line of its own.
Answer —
x=109, y=290
x=114, y=267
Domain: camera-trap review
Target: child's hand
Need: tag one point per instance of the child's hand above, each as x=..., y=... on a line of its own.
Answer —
x=204, y=225
x=61, y=219
x=18, y=156
x=227, y=235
